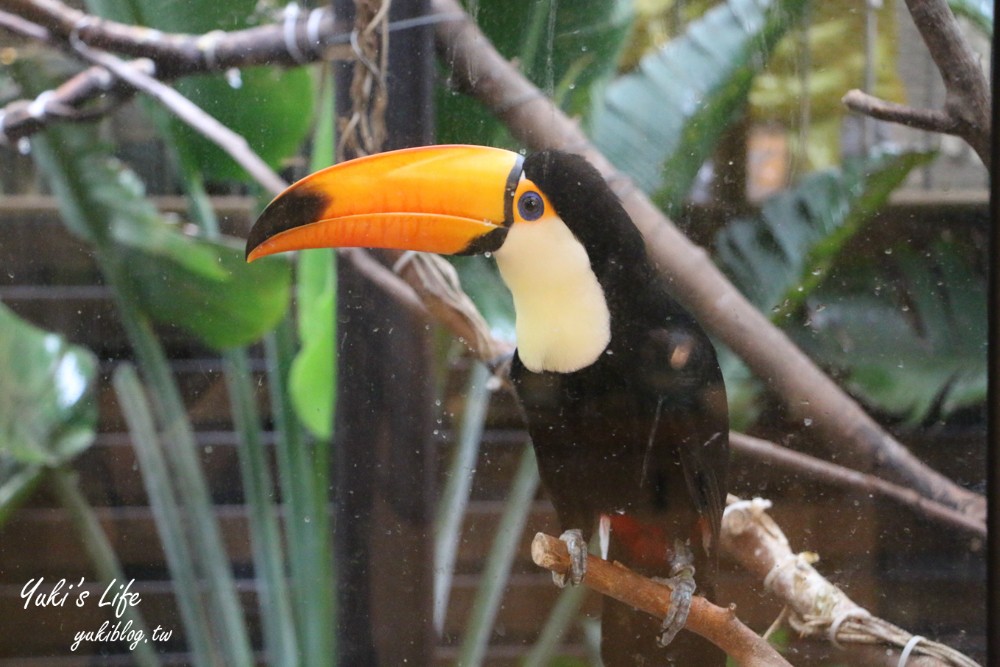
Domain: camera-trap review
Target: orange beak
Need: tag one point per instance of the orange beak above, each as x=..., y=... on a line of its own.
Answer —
x=443, y=199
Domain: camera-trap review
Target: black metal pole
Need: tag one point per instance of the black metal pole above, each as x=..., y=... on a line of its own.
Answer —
x=384, y=474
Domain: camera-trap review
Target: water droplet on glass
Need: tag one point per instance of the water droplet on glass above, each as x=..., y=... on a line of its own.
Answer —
x=487, y=254
x=888, y=251
x=808, y=421
x=234, y=78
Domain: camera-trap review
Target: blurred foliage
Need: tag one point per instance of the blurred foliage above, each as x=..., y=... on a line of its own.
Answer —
x=915, y=349
x=47, y=410
x=824, y=56
x=779, y=256
x=978, y=12
x=568, y=54
x=203, y=286
x=660, y=122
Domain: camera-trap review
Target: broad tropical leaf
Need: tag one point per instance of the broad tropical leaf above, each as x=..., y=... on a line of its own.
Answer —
x=47, y=411
x=780, y=256
x=917, y=356
x=203, y=286
x=659, y=123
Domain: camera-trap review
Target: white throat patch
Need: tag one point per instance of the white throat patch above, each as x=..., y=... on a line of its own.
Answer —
x=563, y=323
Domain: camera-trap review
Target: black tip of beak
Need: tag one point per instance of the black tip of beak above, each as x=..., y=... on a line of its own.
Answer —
x=289, y=210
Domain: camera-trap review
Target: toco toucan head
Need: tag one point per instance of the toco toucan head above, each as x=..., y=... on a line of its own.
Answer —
x=549, y=219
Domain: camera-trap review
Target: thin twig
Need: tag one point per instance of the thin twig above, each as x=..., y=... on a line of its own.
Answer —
x=831, y=473
x=231, y=142
x=932, y=120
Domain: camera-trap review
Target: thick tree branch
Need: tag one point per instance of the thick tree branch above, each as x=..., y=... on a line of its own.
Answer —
x=966, y=111
x=718, y=625
x=808, y=393
x=816, y=607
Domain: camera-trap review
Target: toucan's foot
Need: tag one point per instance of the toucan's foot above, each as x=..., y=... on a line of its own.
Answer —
x=682, y=584
x=577, y=547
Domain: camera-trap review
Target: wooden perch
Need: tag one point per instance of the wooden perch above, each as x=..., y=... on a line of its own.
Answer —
x=719, y=626
x=815, y=607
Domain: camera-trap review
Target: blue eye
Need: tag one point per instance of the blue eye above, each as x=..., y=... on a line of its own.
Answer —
x=530, y=206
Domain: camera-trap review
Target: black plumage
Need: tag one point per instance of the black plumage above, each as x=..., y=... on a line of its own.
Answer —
x=640, y=435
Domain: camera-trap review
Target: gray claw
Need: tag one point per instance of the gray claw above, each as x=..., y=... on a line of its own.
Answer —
x=577, y=547
x=682, y=585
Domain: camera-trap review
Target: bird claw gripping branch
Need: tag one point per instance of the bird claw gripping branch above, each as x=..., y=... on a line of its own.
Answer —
x=577, y=547
x=683, y=585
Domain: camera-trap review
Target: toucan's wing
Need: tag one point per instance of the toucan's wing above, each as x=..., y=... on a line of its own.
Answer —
x=680, y=368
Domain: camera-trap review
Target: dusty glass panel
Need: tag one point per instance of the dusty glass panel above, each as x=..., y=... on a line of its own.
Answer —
x=670, y=251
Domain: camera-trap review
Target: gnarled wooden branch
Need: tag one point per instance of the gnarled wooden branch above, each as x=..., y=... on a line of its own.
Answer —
x=966, y=110
x=817, y=608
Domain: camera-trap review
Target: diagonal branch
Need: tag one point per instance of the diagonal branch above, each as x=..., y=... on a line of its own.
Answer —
x=808, y=393
x=189, y=112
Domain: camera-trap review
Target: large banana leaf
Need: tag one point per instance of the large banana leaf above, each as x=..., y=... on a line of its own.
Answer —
x=659, y=123
x=47, y=411
x=920, y=355
x=778, y=257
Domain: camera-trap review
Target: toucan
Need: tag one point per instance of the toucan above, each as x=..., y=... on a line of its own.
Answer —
x=620, y=386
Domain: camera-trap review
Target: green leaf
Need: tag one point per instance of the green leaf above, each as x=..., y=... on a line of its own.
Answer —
x=47, y=411
x=920, y=354
x=231, y=309
x=203, y=286
x=313, y=376
x=779, y=257
x=661, y=122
